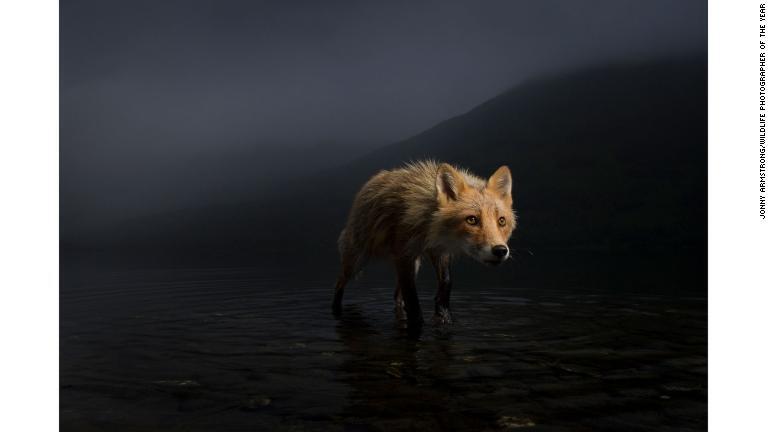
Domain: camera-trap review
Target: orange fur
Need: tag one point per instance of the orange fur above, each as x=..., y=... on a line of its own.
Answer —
x=426, y=209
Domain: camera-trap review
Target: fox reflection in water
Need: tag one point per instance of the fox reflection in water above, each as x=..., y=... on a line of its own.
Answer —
x=392, y=378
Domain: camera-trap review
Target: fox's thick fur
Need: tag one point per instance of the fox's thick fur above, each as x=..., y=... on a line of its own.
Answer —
x=426, y=209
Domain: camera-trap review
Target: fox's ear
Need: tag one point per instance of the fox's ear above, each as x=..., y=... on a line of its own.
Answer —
x=501, y=182
x=450, y=183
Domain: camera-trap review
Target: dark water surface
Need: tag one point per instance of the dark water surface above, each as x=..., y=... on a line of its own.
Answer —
x=258, y=350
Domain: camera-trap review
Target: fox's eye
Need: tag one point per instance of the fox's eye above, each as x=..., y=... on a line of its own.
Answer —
x=502, y=221
x=472, y=220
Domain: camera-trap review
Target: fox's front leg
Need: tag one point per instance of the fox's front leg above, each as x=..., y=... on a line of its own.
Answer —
x=442, y=264
x=405, y=293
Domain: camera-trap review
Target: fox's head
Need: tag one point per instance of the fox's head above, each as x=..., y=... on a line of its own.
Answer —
x=475, y=216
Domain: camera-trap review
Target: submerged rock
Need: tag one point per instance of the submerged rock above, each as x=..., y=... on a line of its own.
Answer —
x=394, y=372
x=177, y=383
x=178, y=388
x=514, y=422
x=480, y=371
x=256, y=403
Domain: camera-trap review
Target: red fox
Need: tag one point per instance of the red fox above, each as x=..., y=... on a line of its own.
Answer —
x=426, y=209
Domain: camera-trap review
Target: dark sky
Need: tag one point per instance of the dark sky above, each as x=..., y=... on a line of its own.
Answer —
x=167, y=104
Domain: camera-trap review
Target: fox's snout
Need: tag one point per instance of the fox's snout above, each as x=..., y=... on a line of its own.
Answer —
x=492, y=255
x=500, y=251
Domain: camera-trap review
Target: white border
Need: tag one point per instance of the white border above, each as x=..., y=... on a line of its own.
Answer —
x=29, y=219
x=29, y=170
x=738, y=244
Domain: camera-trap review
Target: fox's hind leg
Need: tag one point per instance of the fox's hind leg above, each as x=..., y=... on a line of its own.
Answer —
x=442, y=264
x=405, y=292
x=399, y=304
x=351, y=262
x=400, y=311
x=347, y=272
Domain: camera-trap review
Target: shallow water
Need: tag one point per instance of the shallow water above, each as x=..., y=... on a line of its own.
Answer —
x=258, y=349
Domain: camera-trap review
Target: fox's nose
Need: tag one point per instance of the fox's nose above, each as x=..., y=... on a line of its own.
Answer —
x=500, y=251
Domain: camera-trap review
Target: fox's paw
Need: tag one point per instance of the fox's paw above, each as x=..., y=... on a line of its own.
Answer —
x=400, y=313
x=442, y=316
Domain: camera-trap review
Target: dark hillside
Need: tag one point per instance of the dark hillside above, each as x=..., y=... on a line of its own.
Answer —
x=610, y=159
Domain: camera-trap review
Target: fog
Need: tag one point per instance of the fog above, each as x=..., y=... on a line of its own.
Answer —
x=166, y=105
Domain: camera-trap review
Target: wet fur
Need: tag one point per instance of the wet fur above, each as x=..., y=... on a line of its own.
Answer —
x=418, y=211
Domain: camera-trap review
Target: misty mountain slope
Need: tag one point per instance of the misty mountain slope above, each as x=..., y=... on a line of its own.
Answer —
x=609, y=159
x=612, y=157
